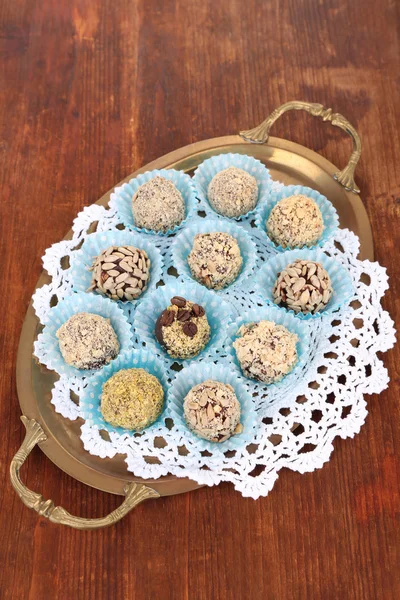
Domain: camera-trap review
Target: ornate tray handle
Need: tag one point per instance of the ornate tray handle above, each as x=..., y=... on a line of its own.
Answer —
x=260, y=135
x=134, y=493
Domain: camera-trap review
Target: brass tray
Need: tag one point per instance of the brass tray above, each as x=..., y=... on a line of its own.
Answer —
x=58, y=437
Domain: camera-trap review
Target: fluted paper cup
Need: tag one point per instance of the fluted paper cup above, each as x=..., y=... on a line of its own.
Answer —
x=183, y=243
x=342, y=283
x=280, y=317
x=47, y=348
x=213, y=165
x=90, y=399
x=218, y=312
x=329, y=214
x=121, y=198
x=198, y=373
x=94, y=244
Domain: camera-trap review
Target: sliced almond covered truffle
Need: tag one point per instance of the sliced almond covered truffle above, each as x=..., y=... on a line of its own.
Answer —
x=233, y=192
x=87, y=341
x=183, y=329
x=295, y=221
x=158, y=205
x=132, y=399
x=303, y=286
x=212, y=411
x=215, y=259
x=265, y=351
x=121, y=273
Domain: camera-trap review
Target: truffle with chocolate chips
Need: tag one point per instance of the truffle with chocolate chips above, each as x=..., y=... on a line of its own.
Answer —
x=121, y=273
x=265, y=351
x=295, y=222
x=303, y=286
x=182, y=328
x=212, y=411
x=87, y=341
x=215, y=259
x=233, y=192
x=158, y=205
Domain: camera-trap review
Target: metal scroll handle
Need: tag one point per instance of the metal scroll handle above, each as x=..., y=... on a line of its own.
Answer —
x=260, y=135
x=134, y=492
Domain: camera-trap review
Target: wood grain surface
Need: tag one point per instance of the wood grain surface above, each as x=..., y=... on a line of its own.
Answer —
x=91, y=90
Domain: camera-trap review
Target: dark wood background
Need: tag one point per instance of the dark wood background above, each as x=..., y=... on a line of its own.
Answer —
x=91, y=90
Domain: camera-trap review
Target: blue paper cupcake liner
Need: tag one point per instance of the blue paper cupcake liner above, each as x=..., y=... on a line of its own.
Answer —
x=121, y=198
x=94, y=244
x=329, y=214
x=183, y=243
x=341, y=280
x=198, y=373
x=218, y=312
x=213, y=165
x=90, y=399
x=47, y=349
x=280, y=317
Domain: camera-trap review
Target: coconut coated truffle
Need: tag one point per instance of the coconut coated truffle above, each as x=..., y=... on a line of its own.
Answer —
x=215, y=259
x=233, y=192
x=303, y=286
x=265, y=351
x=295, y=222
x=121, y=273
x=87, y=341
x=212, y=411
x=158, y=205
x=182, y=328
x=132, y=399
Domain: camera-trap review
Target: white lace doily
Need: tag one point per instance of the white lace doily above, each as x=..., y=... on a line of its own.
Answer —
x=297, y=423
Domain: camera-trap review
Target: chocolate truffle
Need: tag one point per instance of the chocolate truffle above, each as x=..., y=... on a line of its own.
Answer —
x=121, y=273
x=212, y=411
x=294, y=222
x=132, y=399
x=303, y=286
x=265, y=351
x=233, y=192
x=158, y=205
x=182, y=328
x=215, y=259
x=87, y=341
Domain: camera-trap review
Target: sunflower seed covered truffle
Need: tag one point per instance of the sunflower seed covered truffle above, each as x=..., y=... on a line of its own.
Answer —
x=87, y=341
x=132, y=398
x=182, y=328
x=303, y=286
x=158, y=205
x=121, y=273
x=233, y=192
x=265, y=351
x=212, y=411
x=294, y=222
x=215, y=259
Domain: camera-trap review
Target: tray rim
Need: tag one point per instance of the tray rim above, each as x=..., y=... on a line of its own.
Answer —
x=52, y=448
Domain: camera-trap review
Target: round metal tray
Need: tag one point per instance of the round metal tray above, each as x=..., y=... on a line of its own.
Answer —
x=288, y=162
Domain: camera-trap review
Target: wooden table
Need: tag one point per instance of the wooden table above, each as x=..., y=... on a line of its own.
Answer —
x=91, y=90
